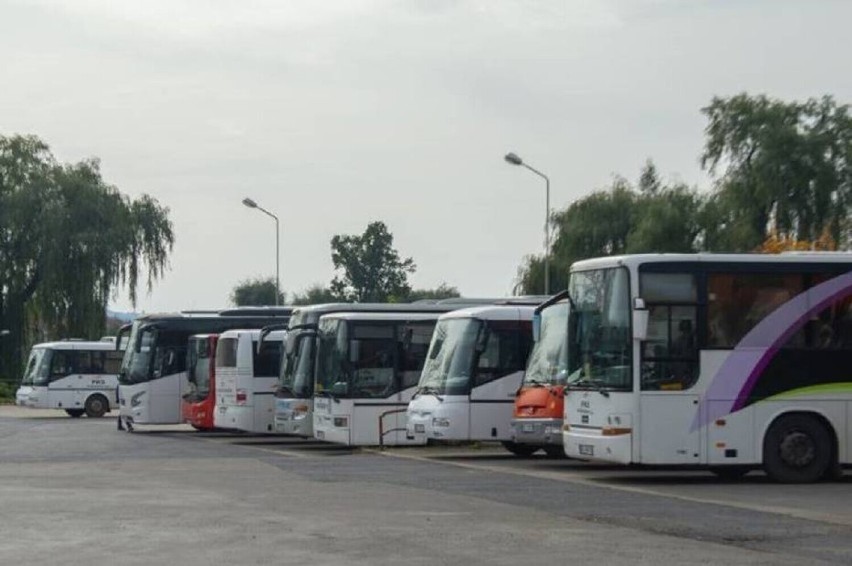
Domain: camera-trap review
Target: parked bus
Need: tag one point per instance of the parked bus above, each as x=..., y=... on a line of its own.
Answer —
x=368, y=365
x=247, y=368
x=199, y=403
x=153, y=377
x=77, y=376
x=294, y=395
x=474, y=369
x=538, y=410
x=732, y=362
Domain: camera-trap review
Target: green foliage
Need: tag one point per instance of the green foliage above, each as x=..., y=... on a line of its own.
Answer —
x=442, y=291
x=617, y=220
x=784, y=167
x=372, y=270
x=7, y=391
x=256, y=292
x=315, y=295
x=780, y=169
x=68, y=240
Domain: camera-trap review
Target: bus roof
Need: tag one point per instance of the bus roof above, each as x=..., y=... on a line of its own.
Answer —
x=254, y=333
x=76, y=345
x=382, y=316
x=494, y=312
x=786, y=257
x=309, y=315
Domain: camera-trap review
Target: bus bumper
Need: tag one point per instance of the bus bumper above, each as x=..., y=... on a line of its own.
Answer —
x=538, y=432
x=592, y=444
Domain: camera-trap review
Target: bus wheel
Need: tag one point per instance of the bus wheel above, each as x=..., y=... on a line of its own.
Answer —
x=797, y=449
x=554, y=451
x=730, y=473
x=519, y=449
x=75, y=413
x=96, y=406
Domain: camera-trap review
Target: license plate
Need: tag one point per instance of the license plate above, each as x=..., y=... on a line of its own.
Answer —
x=528, y=427
x=320, y=434
x=420, y=428
x=587, y=450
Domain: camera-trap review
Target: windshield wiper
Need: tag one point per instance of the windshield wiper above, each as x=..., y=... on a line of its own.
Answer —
x=285, y=389
x=330, y=395
x=429, y=390
x=593, y=384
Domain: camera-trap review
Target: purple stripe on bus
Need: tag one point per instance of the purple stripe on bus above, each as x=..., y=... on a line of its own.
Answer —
x=757, y=348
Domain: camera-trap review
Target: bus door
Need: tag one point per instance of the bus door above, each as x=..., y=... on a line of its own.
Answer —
x=669, y=369
x=502, y=350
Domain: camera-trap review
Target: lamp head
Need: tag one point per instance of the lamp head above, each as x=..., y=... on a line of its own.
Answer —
x=513, y=159
x=249, y=203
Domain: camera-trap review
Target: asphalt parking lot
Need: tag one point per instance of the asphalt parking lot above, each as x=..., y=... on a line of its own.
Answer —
x=76, y=491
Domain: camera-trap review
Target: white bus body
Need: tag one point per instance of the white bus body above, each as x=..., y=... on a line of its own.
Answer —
x=153, y=377
x=473, y=371
x=294, y=395
x=79, y=377
x=727, y=361
x=246, y=380
x=368, y=365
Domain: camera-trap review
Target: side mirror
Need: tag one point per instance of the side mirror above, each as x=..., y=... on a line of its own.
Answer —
x=640, y=319
x=536, y=327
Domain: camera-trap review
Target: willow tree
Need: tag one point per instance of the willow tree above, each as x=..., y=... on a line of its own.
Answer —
x=68, y=242
x=782, y=167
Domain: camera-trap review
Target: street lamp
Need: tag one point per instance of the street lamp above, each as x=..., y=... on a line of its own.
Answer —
x=251, y=204
x=514, y=159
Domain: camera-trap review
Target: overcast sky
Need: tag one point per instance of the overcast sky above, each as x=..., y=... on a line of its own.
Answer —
x=334, y=114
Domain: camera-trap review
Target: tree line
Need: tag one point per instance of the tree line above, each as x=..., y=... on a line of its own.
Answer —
x=782, y=179
x=368, y=269
x=68, y=242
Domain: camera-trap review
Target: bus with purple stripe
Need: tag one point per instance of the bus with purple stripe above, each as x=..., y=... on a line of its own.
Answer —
x=733, y=362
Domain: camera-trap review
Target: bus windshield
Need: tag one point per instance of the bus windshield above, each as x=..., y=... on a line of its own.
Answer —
x=548, y=363
x=297, y=368
x=363, y=367
x=37, y=371
x=599, y=342
x=135, y=367
x=449, y=363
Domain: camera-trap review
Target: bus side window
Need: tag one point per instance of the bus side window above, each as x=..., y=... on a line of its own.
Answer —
x=670, y=352
x=61, y=364
x=413, y=343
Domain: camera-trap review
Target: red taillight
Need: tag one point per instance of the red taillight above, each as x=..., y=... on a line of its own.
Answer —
x=242, y=396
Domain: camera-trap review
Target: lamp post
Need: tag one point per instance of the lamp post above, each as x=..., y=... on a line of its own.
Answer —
x=251, y=204
x=514, y=159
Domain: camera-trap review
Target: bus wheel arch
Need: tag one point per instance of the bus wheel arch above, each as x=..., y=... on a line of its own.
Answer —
x=799, y=447
x=96, y=406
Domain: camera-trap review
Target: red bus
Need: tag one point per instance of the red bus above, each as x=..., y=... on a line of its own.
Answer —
x=198, y=405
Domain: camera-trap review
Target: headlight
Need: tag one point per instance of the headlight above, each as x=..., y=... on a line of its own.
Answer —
x=440, y=422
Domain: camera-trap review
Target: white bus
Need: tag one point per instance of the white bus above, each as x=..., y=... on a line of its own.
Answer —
x=473, y=371
x=368, y=365
x=79, y=377
x=732, y=362
x=153, y=377
x=294, y=395
x=247, y=364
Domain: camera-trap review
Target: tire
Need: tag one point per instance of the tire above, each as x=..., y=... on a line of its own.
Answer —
x=730, y=473
x=797, y=449
x=96, y=406
x=523, y=450
x=75, y=413
x=554, y=452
